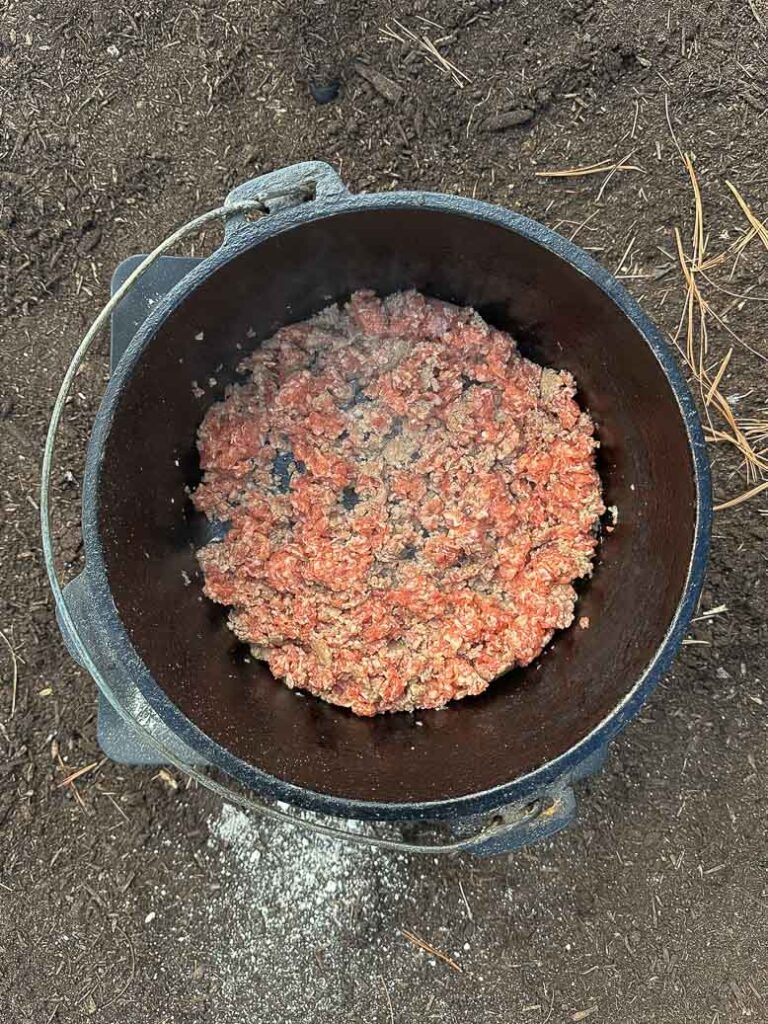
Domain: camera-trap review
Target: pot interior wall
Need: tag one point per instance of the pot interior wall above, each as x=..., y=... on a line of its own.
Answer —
x=561, y=319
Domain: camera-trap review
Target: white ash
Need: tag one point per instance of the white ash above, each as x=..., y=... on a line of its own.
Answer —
x=294, y=901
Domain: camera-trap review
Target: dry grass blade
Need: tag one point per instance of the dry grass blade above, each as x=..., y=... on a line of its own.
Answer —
x=14, y=671
x=428, y=50
x=698, y=222
x=583, y=224
x=752, y=493
x=693, y=297
x=610, y=174
x=757, y=225
x=600, y=168
x=737, y=338
x=428, y=948
x=78, y=774
x=757, y=431
x=733, y=250
x=470, y=915
x=671, y=129
x=389, y=1000
x=72, y=787
x=625, y=254
x=743, y=297
x=718, y=376
x=720, y=610
x=748, y=437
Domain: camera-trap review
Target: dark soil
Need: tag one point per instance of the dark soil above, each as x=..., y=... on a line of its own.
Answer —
x=121, y=121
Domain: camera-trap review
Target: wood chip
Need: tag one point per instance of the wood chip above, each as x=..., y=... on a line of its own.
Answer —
x=508, y=119
x=384, y=86
x=583, y=1014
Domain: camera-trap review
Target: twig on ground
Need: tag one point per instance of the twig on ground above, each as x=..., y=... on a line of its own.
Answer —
x=79, y=773
x=429, y=948
x=14, y=671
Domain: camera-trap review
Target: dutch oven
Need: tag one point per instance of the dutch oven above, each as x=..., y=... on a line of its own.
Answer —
x=162, y=652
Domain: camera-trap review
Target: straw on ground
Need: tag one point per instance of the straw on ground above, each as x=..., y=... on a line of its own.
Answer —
x=603, y=167
x=427, y=48
x=748, y=436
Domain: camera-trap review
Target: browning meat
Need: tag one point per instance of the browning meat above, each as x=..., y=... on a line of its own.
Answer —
x=409, y=499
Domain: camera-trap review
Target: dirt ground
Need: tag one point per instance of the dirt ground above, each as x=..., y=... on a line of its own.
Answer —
x=132, y=897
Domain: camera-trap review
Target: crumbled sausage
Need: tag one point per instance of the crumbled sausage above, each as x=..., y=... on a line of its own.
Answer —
x=409, y=502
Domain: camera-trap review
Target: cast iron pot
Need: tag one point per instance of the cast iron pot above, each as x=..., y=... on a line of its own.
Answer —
x=168, y=650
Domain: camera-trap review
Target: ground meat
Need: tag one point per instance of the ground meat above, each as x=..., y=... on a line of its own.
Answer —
x=408, y=502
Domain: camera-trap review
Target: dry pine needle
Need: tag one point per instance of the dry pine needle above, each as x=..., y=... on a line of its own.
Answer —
x=749, y=436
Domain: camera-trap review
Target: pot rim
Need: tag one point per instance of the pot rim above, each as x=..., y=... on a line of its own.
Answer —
x=524, y=786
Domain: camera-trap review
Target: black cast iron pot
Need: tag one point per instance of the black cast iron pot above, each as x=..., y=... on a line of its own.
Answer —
x=168, y=650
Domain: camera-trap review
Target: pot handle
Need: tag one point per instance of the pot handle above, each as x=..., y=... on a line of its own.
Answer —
x=513, y=828
x=508, y=830
x=284, y=189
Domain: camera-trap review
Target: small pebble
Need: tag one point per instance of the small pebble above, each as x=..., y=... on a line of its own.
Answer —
x=324, y=90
